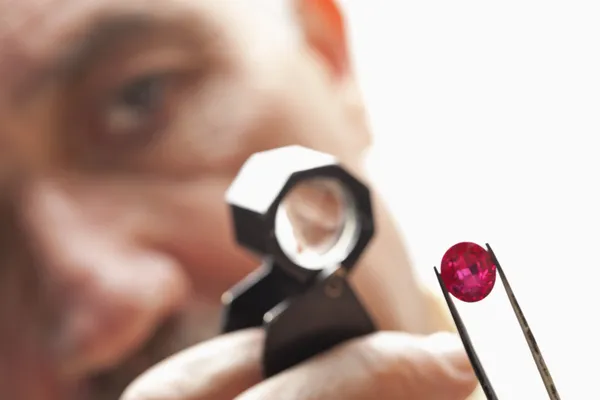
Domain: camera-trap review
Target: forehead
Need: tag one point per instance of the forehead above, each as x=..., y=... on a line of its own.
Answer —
x=31, y=31
x=21, y=16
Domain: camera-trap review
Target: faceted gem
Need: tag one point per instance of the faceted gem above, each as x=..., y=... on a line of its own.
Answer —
x=468, y=272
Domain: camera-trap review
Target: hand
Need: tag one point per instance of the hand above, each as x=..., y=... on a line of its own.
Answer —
x=384, y=365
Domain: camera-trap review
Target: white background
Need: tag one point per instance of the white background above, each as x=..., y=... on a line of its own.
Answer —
x=487, y=119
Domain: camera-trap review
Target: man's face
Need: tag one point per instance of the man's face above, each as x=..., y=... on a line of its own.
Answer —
x=122, y=125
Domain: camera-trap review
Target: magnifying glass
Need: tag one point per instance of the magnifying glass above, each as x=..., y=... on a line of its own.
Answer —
x=316, y=223
x=310, y=220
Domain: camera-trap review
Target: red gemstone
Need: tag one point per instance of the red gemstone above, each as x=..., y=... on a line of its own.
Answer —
x=468, y=272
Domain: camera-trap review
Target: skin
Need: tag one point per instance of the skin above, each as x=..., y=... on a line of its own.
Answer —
x=123, y=124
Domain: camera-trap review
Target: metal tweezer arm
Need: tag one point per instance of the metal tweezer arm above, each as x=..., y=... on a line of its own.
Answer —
x=472, y=354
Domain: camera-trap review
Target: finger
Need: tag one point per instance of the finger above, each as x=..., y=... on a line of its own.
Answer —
x=218, y=369
x=385, y=365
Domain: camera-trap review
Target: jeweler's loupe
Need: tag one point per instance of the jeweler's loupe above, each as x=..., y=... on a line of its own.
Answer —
x=310, y=220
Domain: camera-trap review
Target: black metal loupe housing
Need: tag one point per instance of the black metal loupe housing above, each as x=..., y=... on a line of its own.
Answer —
x=310, y=220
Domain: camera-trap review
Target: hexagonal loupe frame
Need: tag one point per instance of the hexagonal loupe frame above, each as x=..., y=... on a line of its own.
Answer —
x=263, y=182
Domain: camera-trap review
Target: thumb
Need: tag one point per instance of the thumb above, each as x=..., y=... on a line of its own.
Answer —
x=217, y=369
x=441, y=369
x=385, y=365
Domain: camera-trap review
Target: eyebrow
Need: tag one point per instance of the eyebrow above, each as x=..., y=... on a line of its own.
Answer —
x=90, y=44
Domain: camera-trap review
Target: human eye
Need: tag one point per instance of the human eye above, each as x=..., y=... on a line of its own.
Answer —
x=136, y=112
x=129, y=106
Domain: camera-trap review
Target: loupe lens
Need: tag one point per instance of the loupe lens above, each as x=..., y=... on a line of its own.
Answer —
x=316, y=223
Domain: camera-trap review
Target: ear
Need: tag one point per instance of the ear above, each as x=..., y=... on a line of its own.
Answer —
x=324, y=28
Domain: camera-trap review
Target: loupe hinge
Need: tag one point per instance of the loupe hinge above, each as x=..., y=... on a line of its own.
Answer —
x=326, y=315
x=246, y=304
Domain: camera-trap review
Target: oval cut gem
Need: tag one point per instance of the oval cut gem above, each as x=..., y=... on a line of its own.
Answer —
x=468, y=272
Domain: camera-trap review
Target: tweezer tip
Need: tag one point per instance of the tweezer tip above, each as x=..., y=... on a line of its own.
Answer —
x=495, y=260
x=464, y=336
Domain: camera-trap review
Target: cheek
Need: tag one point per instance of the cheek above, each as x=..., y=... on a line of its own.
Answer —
x=22, y=336
x=199, y=234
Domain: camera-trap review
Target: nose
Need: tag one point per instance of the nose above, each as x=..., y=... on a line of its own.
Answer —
x=109, y=291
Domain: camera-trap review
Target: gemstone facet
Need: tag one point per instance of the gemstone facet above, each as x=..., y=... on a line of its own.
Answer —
x=468, y=272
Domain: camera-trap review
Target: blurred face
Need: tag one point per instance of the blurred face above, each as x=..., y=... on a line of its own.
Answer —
x=122, y=125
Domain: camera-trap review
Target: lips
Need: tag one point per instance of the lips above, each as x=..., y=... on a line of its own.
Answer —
x=99, y=335
x=196, y=323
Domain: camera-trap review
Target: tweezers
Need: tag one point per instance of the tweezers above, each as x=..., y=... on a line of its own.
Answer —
x=472, y=354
